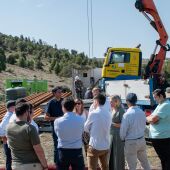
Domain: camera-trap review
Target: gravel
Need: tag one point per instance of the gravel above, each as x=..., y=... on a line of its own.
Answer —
x=47, y=144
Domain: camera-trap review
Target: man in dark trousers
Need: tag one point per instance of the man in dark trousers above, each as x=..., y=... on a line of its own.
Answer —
x=69, y=129
x=54, y=110
x=3, y=125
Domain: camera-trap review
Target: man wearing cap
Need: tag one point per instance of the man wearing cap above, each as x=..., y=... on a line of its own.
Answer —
x=54, y=110
x=3, y=125
x=132, y=132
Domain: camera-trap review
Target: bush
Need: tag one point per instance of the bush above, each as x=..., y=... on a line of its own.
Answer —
x=10, y=70
x=22, y=62
x=30, y=64
x=11, y=59
x=2, y=60
x=66, y=71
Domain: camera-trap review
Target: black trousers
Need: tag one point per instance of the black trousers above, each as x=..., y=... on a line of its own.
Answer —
x=70, y=157
x=8, y=157
x=162, y=148
x=55, y=140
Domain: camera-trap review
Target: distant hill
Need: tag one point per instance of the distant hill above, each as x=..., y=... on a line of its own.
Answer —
x=26, y=53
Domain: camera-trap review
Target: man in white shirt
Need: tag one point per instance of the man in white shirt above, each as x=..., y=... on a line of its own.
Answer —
x=98, y=126
x=32, y=122
x=3, y=125
x=13, y=117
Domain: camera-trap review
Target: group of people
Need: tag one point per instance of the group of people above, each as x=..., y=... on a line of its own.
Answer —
x=109, y=133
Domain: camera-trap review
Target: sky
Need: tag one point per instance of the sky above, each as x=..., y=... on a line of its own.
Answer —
x=116, y=23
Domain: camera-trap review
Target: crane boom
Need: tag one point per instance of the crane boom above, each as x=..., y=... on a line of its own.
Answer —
x=155, y=64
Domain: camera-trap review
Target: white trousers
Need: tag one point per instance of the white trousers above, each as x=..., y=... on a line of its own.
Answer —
x=136, y=149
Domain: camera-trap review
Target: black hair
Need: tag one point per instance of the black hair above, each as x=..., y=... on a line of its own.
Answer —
x=160, y=92
x=131, y=98
x=30, y=108
x=100, y=98
x=21, y=108
x=68, y=103
x=20, y=100
x=10, y=104
x=56, y=88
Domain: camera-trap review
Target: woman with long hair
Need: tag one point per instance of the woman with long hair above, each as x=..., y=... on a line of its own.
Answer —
x=79, y=110
x=117, y=160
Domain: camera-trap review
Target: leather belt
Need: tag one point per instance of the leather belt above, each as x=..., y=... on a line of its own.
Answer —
x=136, y=138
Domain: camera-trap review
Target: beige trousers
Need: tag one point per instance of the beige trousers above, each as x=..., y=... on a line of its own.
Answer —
x=94, y=155
x=33, y=166
x=136, y=149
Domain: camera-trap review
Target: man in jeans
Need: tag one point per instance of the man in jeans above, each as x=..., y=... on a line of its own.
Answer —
x=54, y=110
x=98, y=126
x=3, y=125
x=132, y=132
x=69, y=129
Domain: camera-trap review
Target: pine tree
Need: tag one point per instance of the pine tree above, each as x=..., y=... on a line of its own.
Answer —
x=2, y=60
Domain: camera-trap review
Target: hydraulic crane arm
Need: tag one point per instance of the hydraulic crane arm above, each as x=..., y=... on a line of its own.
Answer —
x=155, y=64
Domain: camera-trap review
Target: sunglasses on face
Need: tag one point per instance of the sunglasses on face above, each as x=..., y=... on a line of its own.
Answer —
x=78, y=103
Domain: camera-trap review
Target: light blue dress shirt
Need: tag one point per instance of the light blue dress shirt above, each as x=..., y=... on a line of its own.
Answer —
x=133, y=124
x=69, y=129
x=4, y=123
x=161, y=129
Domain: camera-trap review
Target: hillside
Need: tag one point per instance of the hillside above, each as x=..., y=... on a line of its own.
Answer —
x=16, y=72
x=30, y=53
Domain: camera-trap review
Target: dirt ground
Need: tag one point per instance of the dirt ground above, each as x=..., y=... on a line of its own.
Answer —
x=47, y=144
x=22, y=73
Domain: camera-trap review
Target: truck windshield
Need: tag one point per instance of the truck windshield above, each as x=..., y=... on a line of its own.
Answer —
x=119, y=57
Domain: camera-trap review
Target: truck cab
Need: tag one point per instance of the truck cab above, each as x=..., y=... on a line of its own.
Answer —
x=122, y=64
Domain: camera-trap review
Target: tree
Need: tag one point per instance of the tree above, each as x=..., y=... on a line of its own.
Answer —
x=22, y=62
x=73, y=52
x=55, y=46
x=22, y=46
x=40, y=42
x=38, y=65
x=66, y=71
x=30, y=64
x=11, y=59
x=2, y=60
x=78, y=60
x=57, y=68
x=21, y=37
x=53, y=63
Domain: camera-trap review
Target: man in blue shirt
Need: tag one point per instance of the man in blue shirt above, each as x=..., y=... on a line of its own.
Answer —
x=3, y=125
x=132, y=132
x=69, y=129
x=54, y=110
